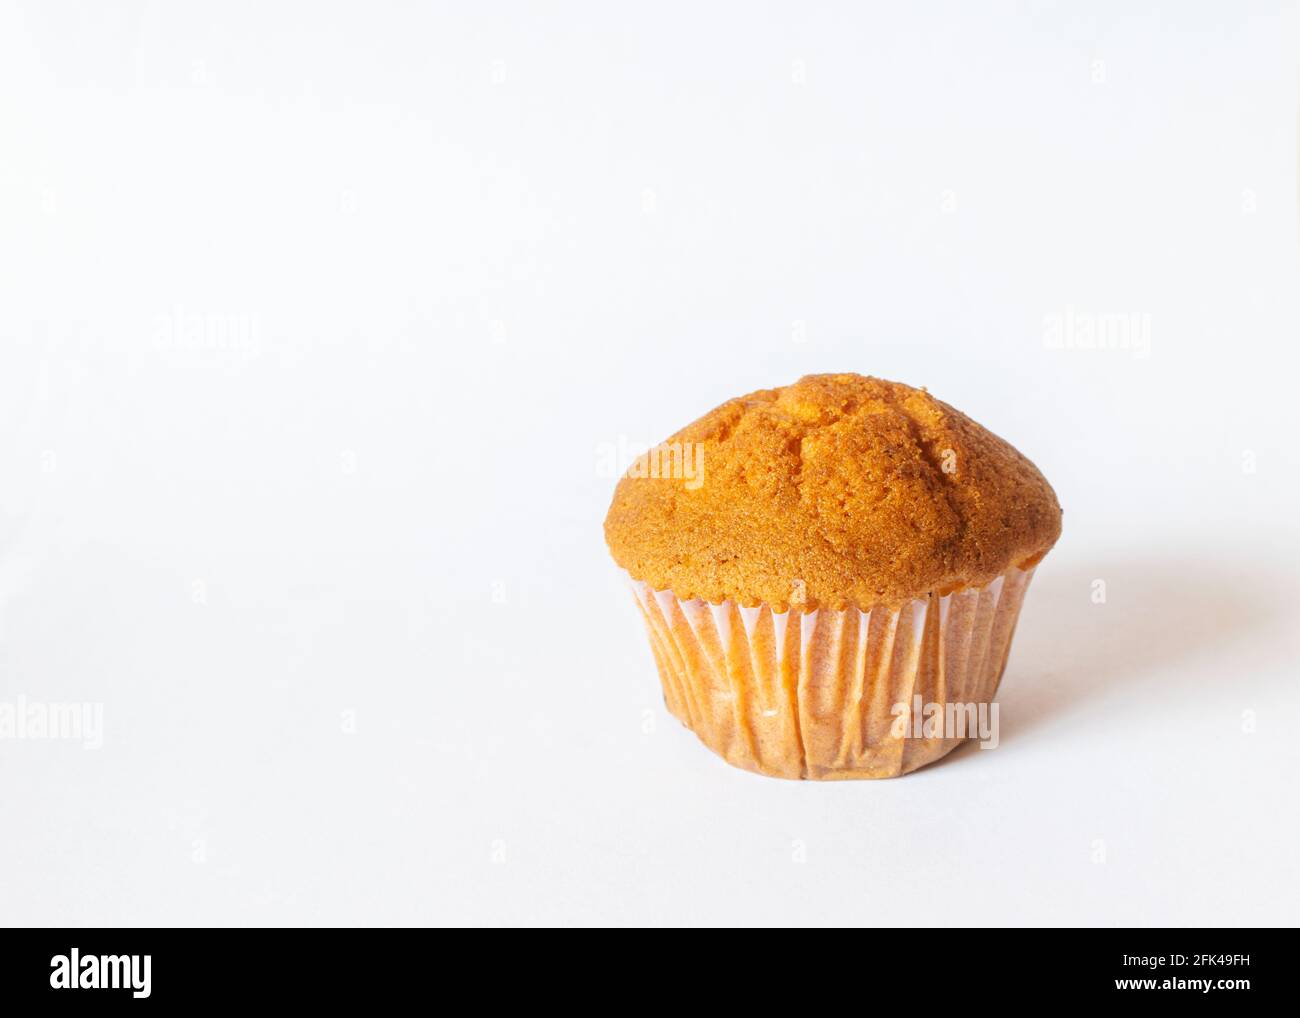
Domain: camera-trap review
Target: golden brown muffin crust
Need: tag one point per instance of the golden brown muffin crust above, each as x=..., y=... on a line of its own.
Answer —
x=837, y=491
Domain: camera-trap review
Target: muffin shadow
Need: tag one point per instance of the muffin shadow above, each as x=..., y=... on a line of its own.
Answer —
x=1070, y=649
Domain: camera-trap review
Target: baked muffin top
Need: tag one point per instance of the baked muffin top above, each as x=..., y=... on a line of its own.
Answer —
x=838, y=491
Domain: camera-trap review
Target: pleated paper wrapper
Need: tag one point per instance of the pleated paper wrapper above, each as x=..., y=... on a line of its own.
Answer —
x=812, y=695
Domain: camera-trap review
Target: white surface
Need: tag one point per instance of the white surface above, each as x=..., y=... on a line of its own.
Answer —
x=469, y=250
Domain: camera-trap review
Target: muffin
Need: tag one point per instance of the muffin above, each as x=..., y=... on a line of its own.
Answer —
x=830, y=573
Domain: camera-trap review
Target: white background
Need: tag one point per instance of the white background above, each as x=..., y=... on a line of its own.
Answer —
x=319, y=323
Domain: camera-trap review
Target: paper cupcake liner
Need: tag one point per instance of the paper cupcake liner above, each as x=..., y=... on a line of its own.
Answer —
x=812, y=695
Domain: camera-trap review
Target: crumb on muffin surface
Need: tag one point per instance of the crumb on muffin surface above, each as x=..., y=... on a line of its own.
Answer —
x=837, y=491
